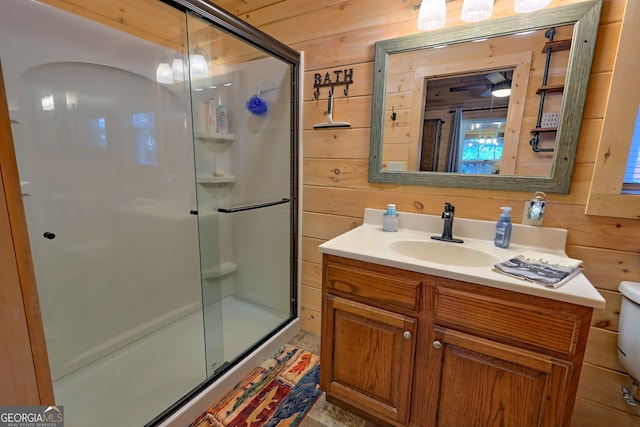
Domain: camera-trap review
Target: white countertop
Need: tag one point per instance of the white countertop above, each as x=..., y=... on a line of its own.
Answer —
x=369, y=243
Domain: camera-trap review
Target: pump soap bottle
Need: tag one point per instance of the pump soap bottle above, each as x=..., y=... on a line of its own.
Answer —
x=390, y=219
x=503, y=228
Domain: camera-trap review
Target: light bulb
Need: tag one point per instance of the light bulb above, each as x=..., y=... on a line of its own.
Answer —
x=164, y=74
x=177, y=69
x=476, y=10
x=433, y=14
x=198, y=66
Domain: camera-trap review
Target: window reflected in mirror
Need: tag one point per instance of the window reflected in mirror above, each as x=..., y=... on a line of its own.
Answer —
x=480, y=146
x=631, y=183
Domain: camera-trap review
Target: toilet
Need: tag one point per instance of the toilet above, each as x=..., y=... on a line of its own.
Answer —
x=629, y=329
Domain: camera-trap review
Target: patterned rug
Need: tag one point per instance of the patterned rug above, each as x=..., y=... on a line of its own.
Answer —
x=277, y=393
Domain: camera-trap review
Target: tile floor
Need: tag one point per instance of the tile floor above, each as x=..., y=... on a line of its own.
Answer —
x=324, y=413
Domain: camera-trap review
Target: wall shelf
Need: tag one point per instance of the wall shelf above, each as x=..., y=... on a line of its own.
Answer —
x=550, y=89
x=557, y=46
x=210, y=179
x=216, y=136
x=225, y=267
x=549, y=47
x=543, y=130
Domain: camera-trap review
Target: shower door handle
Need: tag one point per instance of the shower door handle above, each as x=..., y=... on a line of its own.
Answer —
x=256, y=206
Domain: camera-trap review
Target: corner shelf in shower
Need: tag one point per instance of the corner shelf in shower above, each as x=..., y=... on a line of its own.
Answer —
x=210, y=179
x=215, y=137
x=225, y=267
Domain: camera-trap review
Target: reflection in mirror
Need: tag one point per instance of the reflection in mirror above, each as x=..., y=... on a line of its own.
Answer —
x=463, y=92
x=436, y=119
x=477, y=121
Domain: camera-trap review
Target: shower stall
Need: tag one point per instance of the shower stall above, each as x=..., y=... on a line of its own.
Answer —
x=156, y=144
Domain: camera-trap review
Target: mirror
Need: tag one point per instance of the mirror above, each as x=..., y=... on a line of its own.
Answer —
x=435, y=122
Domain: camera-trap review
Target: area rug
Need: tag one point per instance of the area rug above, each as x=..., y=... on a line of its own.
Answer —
x=278, y=393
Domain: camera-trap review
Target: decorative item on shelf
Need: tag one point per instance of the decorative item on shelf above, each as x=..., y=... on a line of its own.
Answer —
x=550, y=120
x=319, y=81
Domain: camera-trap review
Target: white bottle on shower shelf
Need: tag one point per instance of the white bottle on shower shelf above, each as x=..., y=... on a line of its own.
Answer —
x=211, y=117
x=222, y=119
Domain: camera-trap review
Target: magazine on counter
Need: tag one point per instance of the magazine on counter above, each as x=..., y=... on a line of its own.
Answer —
x=537, y=267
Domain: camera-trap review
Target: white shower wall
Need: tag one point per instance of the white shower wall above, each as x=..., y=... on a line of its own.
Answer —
x=261, y=160
x=258, y=156
x=125, y=242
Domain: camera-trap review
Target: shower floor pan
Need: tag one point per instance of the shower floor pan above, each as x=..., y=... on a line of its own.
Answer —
x=137, y=382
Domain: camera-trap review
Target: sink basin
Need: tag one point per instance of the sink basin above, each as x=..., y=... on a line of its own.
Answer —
x=444, y=253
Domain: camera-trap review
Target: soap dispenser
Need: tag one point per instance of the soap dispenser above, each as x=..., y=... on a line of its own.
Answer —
x=390, y=218
x=503, y=228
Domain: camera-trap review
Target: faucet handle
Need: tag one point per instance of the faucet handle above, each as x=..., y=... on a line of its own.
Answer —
x=448, y=207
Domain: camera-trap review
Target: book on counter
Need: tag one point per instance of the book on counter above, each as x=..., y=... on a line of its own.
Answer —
x=541, y=268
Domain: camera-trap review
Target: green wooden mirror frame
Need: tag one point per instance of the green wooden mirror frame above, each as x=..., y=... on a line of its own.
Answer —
x=585, y=17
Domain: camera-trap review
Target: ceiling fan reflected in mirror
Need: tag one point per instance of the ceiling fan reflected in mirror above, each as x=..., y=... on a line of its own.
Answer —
x=499, y=85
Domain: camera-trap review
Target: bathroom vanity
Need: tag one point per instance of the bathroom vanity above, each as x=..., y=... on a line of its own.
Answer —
x=409, y=341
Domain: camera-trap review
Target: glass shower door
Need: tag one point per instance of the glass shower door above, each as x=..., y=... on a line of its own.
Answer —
x=105, y=157
x=241, y=99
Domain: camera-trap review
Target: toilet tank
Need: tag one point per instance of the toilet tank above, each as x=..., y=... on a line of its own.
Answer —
x=629, y=330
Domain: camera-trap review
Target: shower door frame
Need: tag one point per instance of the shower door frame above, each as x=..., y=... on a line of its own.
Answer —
x=261, y=41
x=33, y=359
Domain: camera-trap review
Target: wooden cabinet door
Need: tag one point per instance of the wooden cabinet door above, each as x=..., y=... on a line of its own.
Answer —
x=484, y=383
x=367, y=358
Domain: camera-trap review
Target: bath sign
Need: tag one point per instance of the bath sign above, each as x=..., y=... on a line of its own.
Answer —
x=334, y=78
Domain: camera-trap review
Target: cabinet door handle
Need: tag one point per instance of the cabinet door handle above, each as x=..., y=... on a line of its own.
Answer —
x=437, y=345
x=407, y=335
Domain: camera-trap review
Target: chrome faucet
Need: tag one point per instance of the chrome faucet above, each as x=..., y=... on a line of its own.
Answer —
x=447, y=232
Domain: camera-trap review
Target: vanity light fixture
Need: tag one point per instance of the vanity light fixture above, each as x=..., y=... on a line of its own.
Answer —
x=502, y=89
x=476, y=10
x=164, y=74
x=178, y=69
x=433, y=14
x=198, y=64
x=526, y=6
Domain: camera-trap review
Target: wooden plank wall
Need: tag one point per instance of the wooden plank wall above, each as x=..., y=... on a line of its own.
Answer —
x=339, y=35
